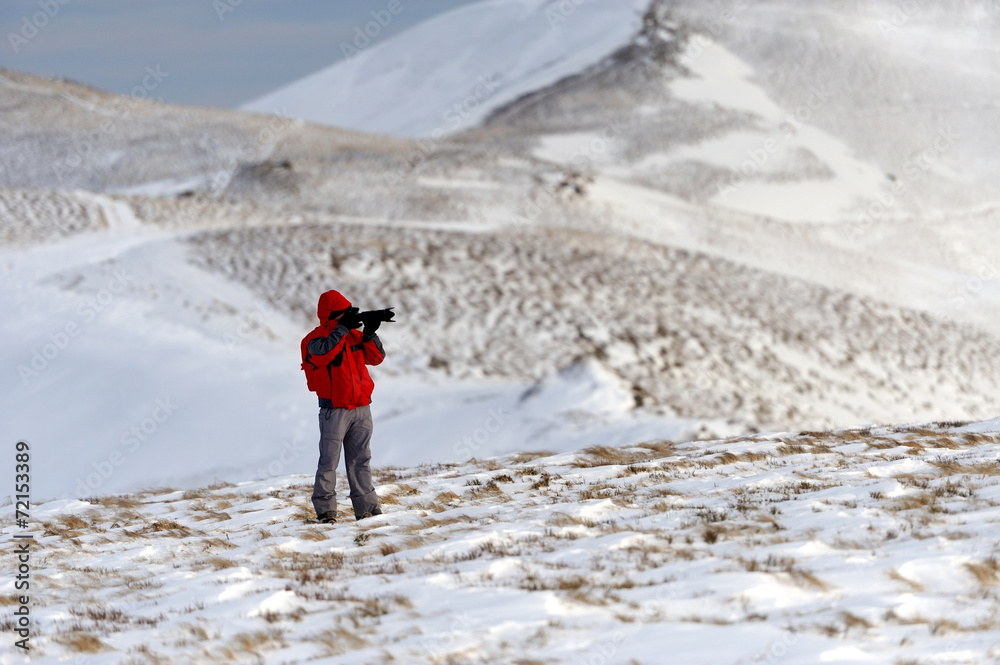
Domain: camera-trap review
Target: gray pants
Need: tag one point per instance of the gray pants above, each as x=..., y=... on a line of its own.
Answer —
x=351, y=428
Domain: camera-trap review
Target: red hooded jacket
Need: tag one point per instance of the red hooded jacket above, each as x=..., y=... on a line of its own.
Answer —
x=334, y=358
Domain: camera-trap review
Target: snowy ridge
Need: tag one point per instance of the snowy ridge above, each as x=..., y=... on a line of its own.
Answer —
x=876, y=545
x=452, y=71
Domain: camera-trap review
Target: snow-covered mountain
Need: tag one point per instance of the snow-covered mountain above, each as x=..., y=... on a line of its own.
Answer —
x=673, y=225
x=449, y=73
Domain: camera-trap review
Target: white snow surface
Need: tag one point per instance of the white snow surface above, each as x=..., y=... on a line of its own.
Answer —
x=448, y=73
x=854, y=546
x=127, y=367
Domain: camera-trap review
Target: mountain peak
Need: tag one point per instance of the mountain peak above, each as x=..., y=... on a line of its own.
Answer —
x=451, y=71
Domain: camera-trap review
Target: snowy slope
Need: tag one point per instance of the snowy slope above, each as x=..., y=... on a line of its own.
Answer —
x=448, y=73
x=128, y=367
x=872, y=546
x=580, y=229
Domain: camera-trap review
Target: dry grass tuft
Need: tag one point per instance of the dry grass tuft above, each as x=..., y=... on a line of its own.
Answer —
x=987, y=572
x=218, y=563
x=489, y=489
x=806, y=579
x=531, y=456
x=934, y=439
x=315, y=535
x=447, y=497
x=542, y=482
x=973, y=439
x=66, y=526
x=854, y=621
x=254, y=642
x=953, y=466
x=339, y=641
x=115, y=501
x=899, y=577
x=166, y=526
x=605, y=456
x=82, y=642
x=432, y=523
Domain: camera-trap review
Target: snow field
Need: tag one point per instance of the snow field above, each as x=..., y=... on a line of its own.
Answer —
x=847, y=546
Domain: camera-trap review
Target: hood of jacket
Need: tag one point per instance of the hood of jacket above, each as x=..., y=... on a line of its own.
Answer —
x=331, y=301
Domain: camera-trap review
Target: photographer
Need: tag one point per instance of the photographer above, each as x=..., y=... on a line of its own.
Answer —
x=334, y=358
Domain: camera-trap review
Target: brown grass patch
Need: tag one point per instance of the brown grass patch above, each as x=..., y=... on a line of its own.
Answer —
x=853, y=434
x=315, y=535
x=312, y=567
x=542, y=482
x=529, y=456
x=854, y=621
x=166, y=526
x=987, y=572
x=254, y=642
x=939, y=440
x=919, y=501
x=899, y=577
x=607, y=456
x=806, y=579
x=489, y=489
x=82, y=642
x=973, y=439
x=339, y=641
x=218, y=563
x=66, y=526
x=115, y=501
x=660, y=448
x=433, y=522
x=565, y=519
x=979, y=468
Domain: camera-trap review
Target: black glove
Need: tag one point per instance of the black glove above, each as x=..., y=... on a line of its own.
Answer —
x=373, y=320
x=371, y=325
x=350, y=319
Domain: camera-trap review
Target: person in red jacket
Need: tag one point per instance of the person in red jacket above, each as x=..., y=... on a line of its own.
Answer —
x=335, y=356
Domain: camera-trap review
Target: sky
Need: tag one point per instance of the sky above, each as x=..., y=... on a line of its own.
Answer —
x=198, y=52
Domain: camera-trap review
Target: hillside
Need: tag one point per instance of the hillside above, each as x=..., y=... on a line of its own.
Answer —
x=447, y=74
x=876, y=545
x=568, y=257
